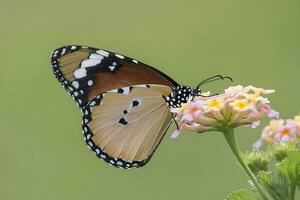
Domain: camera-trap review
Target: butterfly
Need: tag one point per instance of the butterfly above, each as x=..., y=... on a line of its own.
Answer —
x=125, y=103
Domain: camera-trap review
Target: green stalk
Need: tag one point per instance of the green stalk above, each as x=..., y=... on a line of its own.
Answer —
x=292, y=191
x=230, y=138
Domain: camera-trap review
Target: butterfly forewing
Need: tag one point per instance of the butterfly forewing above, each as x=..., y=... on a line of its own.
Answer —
x=124, y=126
x=86, y=72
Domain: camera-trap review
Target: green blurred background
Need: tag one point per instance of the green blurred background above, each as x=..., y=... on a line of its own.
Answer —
x=42, y=153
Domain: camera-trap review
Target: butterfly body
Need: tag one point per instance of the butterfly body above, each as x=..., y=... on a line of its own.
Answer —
x=125, y=103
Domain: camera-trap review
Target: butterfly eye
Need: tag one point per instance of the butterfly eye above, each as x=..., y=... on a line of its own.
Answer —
x=196, y=92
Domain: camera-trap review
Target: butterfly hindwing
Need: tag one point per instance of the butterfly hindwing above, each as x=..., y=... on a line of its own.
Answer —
x=85, y=72
x=124, y=126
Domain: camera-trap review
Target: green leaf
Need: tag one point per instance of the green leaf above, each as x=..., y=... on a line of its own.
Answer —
x=241, y=194
x=276, y=184
x=282, y=149
x=257, y=161
x=290, y=167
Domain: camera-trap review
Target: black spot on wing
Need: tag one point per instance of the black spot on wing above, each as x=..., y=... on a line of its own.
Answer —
x=123, y=121
x=135, y=103
x=120, y=90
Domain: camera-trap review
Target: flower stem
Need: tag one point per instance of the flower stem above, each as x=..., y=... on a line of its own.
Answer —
x=292, y=191
x=230, y=138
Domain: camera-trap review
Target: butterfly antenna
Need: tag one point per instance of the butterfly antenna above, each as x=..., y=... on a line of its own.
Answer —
x=216, y=94
x=213, y=78
x=173, y=117
x=208, y=80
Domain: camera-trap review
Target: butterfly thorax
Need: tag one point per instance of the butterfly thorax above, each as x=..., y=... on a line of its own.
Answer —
x=180, y=95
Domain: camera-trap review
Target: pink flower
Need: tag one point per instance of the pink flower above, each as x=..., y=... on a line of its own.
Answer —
x=176, y=133
x=287, y=132
x=254, y=124
x=266, y=109
x=257, y=144
x=237, y=106
x=178, y=130
x=279, y=131
x=194, y=110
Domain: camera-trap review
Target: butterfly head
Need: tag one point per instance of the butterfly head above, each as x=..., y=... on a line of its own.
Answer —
x=180, y=95
x=196, y=92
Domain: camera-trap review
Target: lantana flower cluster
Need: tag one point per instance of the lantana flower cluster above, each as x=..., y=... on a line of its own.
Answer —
x=280, y=131
x=237, y=106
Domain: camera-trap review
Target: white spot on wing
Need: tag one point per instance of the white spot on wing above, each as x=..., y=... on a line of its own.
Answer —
x=126, y=90
x=114, y=90
x=90, y=62
x=73, y=47
x=95, y=56
x=111, y=68
x=120, y=163
x=141, y=85
x=90, y=82
x=80, y=73
x=119, y=56
x=55, y=53
x=103, y=53
x=75, y=84
x=90, y=144
x=135, y=61
x=63, y=51
x=103, y=156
